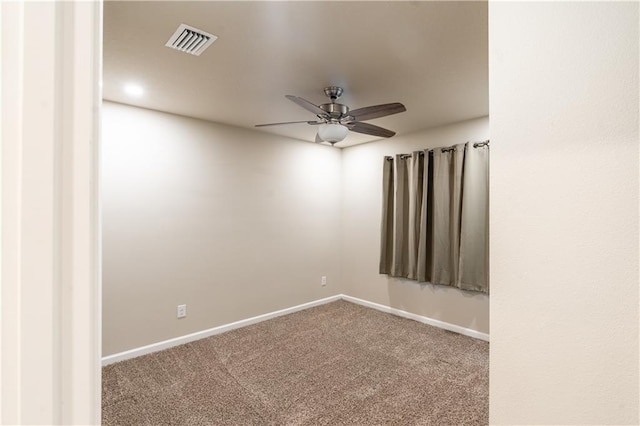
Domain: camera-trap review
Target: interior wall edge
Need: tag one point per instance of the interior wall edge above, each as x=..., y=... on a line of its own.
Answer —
x=564, y=104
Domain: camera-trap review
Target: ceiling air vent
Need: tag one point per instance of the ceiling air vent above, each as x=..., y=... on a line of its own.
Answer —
x=190, y=40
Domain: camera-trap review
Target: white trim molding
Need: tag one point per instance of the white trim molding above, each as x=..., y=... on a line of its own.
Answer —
x=166, y=344
x=425, y=320
x=50, y=294
x=154, y=347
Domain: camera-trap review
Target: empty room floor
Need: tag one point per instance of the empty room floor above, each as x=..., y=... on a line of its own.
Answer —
x=339, y=363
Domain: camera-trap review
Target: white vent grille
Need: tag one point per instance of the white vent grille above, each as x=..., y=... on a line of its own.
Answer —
x=190, y=40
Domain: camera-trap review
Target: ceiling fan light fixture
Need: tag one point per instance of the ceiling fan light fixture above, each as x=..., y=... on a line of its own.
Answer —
x=330, y=117
x=332, y=132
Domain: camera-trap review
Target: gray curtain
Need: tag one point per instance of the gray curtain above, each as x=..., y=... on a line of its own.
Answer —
x=435, y=217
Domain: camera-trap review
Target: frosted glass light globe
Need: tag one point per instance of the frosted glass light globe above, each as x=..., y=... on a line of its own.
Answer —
x=332, y=132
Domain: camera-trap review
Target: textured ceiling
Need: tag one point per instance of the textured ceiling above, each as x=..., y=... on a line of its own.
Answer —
x=431, y=56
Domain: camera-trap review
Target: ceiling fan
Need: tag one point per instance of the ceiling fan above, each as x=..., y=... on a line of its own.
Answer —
x=335, y=120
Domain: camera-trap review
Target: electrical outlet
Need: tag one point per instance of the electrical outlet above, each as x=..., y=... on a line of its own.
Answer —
x=182, y=311
x=323, y=281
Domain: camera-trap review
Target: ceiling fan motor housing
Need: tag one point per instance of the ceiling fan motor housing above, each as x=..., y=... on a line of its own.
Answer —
x=335, y=111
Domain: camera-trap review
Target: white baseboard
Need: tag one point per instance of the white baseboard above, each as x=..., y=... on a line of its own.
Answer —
x=426, y=320
x=154, y=347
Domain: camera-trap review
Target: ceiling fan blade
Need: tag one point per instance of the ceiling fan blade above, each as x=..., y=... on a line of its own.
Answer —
x=306, y=105
x=376, y=111
x=288, y=122
x=370, y=129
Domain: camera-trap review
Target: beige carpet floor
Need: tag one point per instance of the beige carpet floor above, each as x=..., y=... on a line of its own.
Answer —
x=335, y=364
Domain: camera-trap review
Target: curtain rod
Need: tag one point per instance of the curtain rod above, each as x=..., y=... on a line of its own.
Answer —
x=451, y=148
x=479, y=144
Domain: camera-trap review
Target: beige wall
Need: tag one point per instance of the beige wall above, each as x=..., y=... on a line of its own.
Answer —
x=362, y=204
x=237, y=223
x=234, y=223
x=564, y=213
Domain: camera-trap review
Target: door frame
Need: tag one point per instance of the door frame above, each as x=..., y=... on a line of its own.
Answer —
x=50, y=322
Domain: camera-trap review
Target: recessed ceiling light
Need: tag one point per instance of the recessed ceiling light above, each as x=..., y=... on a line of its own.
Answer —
x=133, y=90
